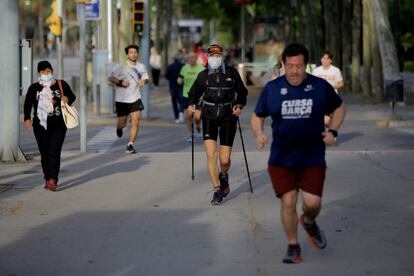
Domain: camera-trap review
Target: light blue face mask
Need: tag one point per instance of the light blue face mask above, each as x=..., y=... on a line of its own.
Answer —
x=46, y=78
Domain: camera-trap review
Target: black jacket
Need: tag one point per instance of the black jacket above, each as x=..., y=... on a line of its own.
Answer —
x=172, y=74
x=55, y=118
x=217, y=91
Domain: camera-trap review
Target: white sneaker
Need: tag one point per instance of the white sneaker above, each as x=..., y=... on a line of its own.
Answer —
x=180, y=118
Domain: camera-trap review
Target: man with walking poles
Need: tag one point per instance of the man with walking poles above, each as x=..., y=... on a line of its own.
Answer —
x=220, y=94
x=297, y=103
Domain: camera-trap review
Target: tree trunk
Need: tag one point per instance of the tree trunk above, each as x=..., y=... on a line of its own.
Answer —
x=376, y=58
x=366, y=42
x=346, y=38
x=125, y=30
x=115, y=28
x=168, y=47
x=332, y=21
x=9, y=82
x=40, y=34
x=356, y=46
x=313, y=35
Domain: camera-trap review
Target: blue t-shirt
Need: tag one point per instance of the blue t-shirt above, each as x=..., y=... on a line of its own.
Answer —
x=298, y=120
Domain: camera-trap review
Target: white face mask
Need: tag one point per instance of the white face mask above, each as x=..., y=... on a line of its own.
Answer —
x=46, y=78
x=214, y=62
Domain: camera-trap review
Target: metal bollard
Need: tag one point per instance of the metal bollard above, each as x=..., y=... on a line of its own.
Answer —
x=98, y=100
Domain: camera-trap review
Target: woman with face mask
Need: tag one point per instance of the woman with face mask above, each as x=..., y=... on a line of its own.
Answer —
x=220, y=94
x=44, y=98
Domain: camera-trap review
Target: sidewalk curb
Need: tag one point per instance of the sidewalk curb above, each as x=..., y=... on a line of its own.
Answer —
x=395, y=123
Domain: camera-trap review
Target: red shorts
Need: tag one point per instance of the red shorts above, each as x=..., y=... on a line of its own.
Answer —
x=308, y=179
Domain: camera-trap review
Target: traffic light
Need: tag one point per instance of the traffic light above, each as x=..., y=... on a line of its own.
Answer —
x=138, y=16
x=54, y=21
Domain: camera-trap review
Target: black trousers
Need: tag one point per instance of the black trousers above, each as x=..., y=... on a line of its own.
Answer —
x=177, y=100
x=155, y=76
x=50, y=143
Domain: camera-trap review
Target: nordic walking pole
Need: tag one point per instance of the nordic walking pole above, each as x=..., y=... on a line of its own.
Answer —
x=245, y=158
x=192, y=147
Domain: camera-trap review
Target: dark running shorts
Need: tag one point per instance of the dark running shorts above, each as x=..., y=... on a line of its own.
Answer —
x=310, y=179
x=225, y=128
x=185, y=102
x=124, y=109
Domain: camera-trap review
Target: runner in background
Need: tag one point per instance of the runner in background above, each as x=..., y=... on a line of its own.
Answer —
x=188, y=75
x=128, y=79
x=330, y=73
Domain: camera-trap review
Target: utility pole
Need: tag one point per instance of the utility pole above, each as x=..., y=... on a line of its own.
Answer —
x=9, y=82
x=125, y=33
x=145, y=50
x=242, y=28
x=109, y=16
x=82, y=77
x=59, y=42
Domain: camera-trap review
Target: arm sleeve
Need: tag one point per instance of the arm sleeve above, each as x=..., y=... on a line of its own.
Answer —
x=115, y=71
x=28, y=103
x=241, y=90
x=68, y=92
x=197, y=89
x=168, y=73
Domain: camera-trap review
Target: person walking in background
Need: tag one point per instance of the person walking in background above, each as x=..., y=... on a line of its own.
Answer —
x=220, y=93
x=297, y=103
x=278, y=69
x=49, y=128
x=176, y=90
x=329, y=73
x=188, y=75
x=128, y=79
x=155, y=63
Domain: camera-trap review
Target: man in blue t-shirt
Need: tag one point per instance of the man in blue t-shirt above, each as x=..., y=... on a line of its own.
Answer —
x=297, y=103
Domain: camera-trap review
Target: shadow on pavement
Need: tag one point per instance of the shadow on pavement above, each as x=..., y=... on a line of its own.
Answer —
x=149, y=242
x=110, y=169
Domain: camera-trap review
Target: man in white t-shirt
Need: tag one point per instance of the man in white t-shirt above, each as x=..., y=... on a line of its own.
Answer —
x=329, y=73
x=129, y=78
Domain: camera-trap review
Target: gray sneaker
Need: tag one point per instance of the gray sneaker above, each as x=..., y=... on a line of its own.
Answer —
x=293, y=254
x=130, y=149
x=316, y=237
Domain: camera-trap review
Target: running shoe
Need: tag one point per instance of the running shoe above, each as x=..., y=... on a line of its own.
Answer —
x=119, y=132
x=51, y=185
x=190, y=139
x=293, y=254
x=217, y=198
x=224, y=184
x=316, y=237
x=130, y=149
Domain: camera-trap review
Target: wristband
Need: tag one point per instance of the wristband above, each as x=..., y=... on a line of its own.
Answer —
x=334, y=132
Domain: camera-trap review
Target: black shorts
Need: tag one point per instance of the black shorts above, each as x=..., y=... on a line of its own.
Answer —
x=225, y=128
x=185, y=102
x=124, y=109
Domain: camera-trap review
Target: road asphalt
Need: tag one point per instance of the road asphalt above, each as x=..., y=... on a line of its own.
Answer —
x=141, y=214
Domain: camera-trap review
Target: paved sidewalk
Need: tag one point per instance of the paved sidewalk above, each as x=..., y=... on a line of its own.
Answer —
x=118, y=214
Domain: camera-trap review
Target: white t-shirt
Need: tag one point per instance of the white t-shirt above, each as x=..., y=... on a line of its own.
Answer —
x=133, y=73
x=332, y=74
x=155, y=61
